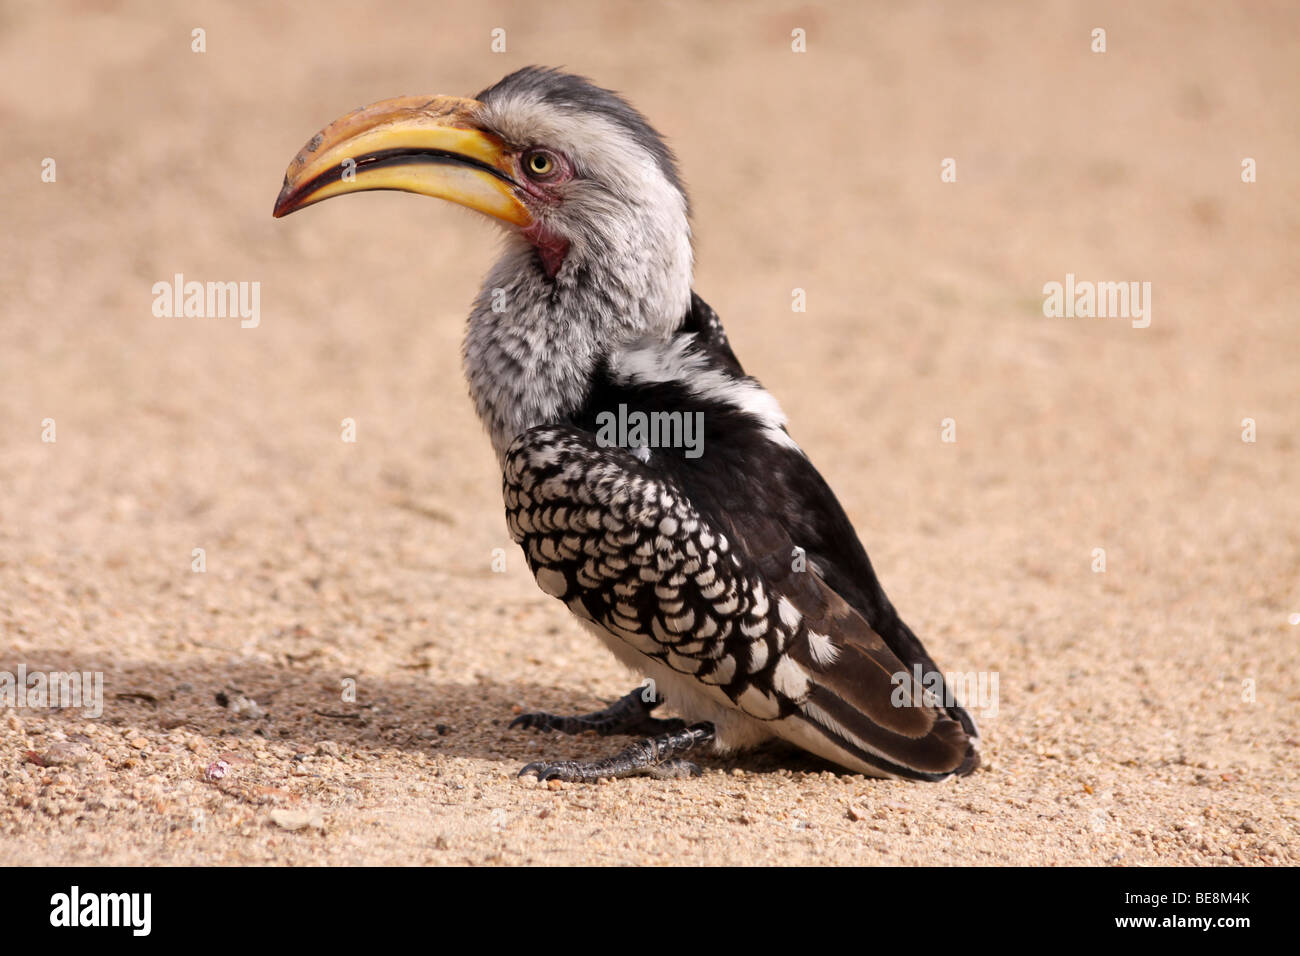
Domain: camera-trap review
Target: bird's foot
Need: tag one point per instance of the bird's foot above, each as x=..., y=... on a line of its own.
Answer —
x=630, y=714
x=656, y=757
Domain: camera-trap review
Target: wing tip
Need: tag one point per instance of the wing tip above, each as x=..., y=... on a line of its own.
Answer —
x=970, y=763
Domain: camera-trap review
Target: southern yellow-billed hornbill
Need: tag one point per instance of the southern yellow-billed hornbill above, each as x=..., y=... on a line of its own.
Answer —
x=725, y=570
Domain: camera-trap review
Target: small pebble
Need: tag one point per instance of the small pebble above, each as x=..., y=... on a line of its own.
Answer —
x=297, y=819
x=246, y=707
x=65, y=753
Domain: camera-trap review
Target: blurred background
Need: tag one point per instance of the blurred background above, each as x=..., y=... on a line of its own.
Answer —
x=817, y=171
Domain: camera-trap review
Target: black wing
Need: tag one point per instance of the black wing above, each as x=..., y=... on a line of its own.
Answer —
x=774, y=485
x=719, y=601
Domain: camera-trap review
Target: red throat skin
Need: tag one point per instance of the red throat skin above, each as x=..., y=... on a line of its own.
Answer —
x=551, y=248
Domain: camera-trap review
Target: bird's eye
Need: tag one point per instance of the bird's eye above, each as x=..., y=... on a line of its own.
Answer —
x=539, y=163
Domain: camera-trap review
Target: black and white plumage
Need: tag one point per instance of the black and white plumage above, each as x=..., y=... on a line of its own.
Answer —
x=734, y=579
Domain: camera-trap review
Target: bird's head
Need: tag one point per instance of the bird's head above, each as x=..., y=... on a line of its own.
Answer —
x=587, y=190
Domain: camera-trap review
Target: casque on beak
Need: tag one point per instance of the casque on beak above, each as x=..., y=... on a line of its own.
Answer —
x=430, y=145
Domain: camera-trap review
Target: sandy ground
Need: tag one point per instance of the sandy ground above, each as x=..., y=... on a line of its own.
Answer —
x=1126, y=732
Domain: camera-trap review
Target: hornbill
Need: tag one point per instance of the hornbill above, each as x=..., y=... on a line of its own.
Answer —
x=732, y=578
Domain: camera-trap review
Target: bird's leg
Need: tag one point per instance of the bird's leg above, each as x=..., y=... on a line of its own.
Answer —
x=629, y=714
x=656, y=756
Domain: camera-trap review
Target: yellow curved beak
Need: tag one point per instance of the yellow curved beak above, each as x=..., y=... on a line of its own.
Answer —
x=430, y=145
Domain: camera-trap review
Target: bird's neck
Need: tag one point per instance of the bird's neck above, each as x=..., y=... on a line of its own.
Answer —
x=535, y=342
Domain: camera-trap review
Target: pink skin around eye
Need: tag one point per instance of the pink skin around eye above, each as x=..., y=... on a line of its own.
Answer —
x=551, y=248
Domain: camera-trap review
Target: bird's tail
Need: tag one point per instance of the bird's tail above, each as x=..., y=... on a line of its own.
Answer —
x=910, y=650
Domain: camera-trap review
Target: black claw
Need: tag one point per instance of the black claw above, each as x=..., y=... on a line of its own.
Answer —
x=554, y=771
x=538, y=721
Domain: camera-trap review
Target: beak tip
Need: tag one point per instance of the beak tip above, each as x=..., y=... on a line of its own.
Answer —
x=283, y=203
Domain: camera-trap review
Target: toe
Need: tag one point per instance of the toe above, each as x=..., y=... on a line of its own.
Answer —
x=531, y=722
